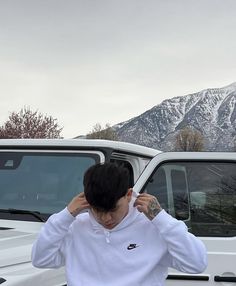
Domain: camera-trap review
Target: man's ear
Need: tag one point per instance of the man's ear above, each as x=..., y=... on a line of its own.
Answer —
x=129, y=194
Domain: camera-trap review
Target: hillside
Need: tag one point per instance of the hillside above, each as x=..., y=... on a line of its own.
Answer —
x=211, y=111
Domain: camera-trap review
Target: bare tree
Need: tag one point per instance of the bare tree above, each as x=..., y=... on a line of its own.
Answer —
x=30, y=124
x=98, y=132
x=189, y=139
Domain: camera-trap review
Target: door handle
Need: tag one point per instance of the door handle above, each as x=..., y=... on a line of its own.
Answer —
x=225, y=279
x=188, y=277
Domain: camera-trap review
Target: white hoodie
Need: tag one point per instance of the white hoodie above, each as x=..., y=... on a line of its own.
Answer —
x=136, y=252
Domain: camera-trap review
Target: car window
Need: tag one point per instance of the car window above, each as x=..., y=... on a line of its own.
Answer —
x=43, y=182
x=202, y=193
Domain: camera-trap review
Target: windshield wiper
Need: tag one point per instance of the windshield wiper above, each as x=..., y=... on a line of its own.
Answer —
x=36, y=214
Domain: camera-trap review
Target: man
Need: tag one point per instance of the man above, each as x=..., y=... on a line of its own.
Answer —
x=122, y=240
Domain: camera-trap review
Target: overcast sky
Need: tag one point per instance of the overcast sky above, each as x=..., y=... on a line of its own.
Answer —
x=106, y=61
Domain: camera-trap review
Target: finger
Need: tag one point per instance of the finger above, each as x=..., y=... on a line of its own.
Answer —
x=142, y=208
x=86, y=204
x=140, y=205
x=141, y=201
x=81, y=195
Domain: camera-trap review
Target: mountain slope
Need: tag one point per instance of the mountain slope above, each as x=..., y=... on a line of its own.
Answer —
x=211, y=111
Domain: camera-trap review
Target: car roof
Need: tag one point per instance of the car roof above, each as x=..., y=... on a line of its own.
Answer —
x=78, y=143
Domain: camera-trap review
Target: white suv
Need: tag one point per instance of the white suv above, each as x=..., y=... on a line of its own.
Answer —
x=200, y=189
x=39, y=177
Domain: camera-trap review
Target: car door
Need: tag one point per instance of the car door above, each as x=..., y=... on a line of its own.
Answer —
x=200, y=189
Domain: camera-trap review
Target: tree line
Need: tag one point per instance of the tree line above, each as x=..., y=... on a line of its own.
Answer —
x=33, y=124
x=186, y=140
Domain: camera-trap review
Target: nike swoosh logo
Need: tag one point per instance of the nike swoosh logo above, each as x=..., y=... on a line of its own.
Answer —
x=132, y=246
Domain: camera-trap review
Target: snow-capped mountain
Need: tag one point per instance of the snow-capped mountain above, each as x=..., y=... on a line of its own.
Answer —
x=211, y=111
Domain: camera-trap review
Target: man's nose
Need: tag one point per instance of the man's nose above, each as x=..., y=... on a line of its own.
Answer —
x=106, y=217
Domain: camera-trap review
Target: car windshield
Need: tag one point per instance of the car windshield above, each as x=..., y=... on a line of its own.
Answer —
x=39, y=182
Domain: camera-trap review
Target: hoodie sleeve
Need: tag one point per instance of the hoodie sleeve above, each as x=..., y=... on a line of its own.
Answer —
x=187, y=252
x=47, y=251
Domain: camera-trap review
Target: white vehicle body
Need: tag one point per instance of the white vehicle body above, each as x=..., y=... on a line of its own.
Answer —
x=32, y=175
x=198, y=188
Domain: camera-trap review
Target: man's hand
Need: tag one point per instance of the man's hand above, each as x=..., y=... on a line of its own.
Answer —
x=78, y=204
x=148, y=205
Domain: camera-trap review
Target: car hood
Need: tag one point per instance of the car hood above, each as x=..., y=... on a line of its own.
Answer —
x=16, y=240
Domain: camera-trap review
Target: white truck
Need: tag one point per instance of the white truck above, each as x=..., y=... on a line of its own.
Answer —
x=39, y=177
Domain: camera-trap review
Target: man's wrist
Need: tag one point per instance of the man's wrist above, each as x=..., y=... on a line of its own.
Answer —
x=154, y=209
x=74, y=213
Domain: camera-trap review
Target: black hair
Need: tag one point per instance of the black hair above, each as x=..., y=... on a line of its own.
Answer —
x=105, y=184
